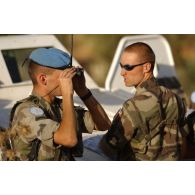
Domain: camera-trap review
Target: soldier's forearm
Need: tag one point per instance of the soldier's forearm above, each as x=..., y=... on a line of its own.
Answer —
x=98, y=114
x=66, y=133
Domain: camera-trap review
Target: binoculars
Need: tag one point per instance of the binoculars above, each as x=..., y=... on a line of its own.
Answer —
x=79, y=71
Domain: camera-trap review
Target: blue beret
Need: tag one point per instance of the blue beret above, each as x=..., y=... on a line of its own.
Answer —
x=51, y=57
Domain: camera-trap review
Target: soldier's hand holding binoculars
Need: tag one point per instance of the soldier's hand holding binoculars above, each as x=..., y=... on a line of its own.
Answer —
x=79, y=82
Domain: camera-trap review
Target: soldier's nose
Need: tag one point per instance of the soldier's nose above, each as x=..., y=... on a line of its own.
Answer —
x=122, y=72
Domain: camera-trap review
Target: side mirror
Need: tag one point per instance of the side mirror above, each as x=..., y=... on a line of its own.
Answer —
x=193, y=100
x=193, y=97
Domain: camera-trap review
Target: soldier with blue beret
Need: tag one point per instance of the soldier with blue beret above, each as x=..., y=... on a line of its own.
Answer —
x=45, y=127
x=150, y=125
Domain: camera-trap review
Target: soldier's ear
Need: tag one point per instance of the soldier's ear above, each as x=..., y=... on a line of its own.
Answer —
x=147, y=67
x=42, y=79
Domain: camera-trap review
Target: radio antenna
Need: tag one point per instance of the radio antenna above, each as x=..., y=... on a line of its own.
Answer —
x=71, y=49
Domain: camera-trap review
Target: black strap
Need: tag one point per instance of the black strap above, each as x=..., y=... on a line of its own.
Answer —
x=88, y=95
x=180, y=121
x=181, y=111
x=33, y=155
x=63, y=154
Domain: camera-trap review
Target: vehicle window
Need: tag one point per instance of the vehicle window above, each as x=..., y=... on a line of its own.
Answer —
x=14, y=60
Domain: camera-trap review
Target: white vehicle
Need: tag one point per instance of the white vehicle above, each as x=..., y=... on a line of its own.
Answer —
x=15, y=83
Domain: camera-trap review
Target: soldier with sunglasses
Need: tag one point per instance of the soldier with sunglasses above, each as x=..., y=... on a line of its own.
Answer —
x=150, y=125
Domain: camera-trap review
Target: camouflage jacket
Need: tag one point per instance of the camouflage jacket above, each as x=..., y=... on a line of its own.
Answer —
x=34, y=119
x=147, y=127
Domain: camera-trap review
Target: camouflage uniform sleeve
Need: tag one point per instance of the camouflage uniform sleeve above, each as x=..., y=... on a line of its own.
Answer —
x=115, y=142
x=31, y=123
x=85, y=121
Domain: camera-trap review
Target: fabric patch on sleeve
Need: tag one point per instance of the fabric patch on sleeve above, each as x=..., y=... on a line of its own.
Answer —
x=36, y=111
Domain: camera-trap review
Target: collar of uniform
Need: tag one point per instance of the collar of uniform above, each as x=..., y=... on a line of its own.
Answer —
x=43, y=103
x=146, y=85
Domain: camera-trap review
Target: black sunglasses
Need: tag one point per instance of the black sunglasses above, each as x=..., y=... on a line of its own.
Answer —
x=130, y=67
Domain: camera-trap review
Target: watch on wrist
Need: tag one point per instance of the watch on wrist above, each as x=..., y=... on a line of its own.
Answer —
x=85, y=97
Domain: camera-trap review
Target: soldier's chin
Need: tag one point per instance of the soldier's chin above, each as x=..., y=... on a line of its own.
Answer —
x=128, y=84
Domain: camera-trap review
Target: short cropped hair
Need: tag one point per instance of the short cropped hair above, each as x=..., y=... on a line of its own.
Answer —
x=144, y=51
x=34, y=69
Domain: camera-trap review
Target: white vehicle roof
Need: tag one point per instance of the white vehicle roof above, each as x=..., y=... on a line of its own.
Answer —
x=25, y=42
